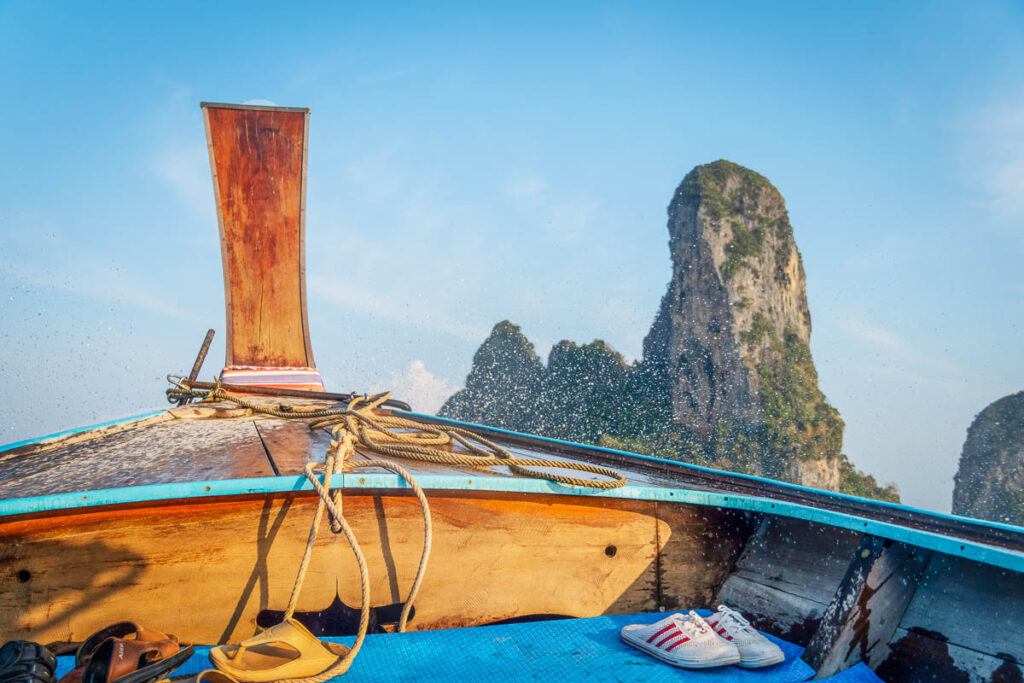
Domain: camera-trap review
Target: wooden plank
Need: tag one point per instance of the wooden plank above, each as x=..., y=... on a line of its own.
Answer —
x=159, y=452
x=972, y=605
x=786, y=615
x=798, y=557
x=88, y=434
x=866, y=609
x=258, y=162
x=291, y=444
x=919, y=655
x=205, y=571
x=787, y=575
x=697, y=556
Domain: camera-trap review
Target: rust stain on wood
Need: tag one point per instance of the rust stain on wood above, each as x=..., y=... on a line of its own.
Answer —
x=867, y=607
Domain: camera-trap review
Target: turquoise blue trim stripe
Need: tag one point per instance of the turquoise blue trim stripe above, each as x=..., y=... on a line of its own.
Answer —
x=611, y=451
x=999, y=557
x=996, y=556
x=737, y=475
x=77, y=430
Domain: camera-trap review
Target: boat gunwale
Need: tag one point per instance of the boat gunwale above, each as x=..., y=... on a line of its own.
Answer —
x=912, y=517
x=590, y=450
x=772, y=497
x=75, y=431
x=375, y=483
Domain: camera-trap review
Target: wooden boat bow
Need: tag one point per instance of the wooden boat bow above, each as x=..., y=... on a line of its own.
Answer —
x=194, y=518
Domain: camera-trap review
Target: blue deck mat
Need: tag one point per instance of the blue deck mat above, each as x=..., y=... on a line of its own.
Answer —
x=537, y=651
x=858, y=673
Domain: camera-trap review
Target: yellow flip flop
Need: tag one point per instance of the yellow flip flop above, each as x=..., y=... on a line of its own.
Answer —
x=287, y=650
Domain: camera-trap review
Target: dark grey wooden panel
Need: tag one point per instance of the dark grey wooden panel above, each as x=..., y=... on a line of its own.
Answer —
x=788, y=574
x=783, y=614
x=798, y=556
x=920, y=655
x=973, y=605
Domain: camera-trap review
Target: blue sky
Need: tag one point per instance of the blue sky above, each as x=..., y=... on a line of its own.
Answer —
x=472, y=163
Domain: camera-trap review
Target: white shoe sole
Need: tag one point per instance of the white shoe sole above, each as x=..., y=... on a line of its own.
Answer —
x=641, y=644
x=766, y=660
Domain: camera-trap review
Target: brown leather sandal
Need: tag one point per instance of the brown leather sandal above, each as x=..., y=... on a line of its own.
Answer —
x=157, y=646
x=132, y=661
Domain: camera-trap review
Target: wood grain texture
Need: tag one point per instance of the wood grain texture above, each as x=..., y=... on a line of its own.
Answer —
x=972, y=605
x=61, y=442
x=787, y=575
x=204, y=571
x=783, y=614
x=693, y=564
x=257, y=158
x=922, y=656
x=158, y=452
x=868, y=605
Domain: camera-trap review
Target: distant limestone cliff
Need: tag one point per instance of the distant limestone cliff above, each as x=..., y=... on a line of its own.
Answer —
x=726, y=378
x=990, y=480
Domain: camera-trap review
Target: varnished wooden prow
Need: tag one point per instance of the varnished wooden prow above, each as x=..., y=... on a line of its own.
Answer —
x=258, y=159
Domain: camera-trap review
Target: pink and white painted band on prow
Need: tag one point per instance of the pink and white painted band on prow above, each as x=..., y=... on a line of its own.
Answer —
x=307, y=379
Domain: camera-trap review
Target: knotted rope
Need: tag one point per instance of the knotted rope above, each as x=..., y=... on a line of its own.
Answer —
x=338, y=454
x=420, y=442
x=399, y=438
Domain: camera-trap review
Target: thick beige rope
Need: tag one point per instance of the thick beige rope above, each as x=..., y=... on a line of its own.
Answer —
x=426, y=444
x=417, y=441
x=380, y=433
x=336, y=463
x=345, y=661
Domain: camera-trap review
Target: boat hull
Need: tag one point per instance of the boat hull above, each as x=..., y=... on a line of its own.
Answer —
x=206, y=570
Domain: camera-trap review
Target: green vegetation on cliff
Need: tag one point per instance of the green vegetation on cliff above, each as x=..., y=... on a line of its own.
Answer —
x=990, y=478
x=727, y=379
x=704, y=185
x=745, y=244
x=589, y=394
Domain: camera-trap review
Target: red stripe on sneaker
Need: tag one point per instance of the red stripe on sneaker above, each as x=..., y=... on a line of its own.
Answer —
x=721, y=631
x=712, y=624
x=728, y=637
x=651, y=639
x=676, y=644
x=667, y=638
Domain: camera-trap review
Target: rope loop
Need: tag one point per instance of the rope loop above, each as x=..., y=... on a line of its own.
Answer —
x=362, y=423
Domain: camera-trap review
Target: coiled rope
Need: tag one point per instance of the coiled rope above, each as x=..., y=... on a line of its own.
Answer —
x=357, y=423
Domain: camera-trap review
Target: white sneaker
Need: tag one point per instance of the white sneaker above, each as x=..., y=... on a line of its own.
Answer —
x=683, y=640
x=755, y=650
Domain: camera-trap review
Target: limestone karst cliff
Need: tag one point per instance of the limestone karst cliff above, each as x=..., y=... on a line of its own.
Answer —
x=726, y=377
x=990, y=479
